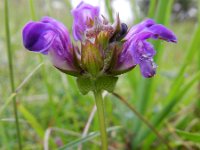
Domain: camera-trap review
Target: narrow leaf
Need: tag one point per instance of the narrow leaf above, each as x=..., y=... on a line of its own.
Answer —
x=158, y=120
x=194, y=137
x=7, y=102
x=87, y=138
x=109, y=9
x=31, y=120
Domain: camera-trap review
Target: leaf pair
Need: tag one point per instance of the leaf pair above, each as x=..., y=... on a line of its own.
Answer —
x=87, y=84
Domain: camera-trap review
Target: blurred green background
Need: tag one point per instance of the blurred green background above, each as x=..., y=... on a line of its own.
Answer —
x=50, y=105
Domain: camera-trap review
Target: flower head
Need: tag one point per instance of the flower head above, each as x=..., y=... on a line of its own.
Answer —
x=106, y=49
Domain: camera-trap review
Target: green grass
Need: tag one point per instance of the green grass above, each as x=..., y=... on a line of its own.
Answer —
x=48, y=98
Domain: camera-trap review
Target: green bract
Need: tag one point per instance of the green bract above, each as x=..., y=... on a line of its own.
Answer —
x=87, y=84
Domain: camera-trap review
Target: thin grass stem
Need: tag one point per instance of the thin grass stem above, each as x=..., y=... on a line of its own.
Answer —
x=12, y=82
x=32, y=10
x=152, y=8
x=109, y=10
x=87, y=126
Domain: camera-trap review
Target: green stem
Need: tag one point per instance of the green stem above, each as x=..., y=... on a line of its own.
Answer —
x=152, y=8
x=32, y=9
x=12, y=84
x=109, y=10
x=135, y=11
x=101, y=117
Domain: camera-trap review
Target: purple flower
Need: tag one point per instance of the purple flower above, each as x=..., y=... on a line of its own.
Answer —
x=137, y=51
x=48, y=36
x=106, y=49
x=84, y=18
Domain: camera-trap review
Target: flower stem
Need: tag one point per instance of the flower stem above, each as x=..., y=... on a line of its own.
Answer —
x=12, y=83
x=101, y=117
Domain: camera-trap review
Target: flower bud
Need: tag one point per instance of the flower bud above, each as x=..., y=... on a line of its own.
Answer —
x=91, y=58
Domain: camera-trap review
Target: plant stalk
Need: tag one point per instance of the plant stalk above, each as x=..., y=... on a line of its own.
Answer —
x=101, y=117
x=11, y=74
x=109, y=10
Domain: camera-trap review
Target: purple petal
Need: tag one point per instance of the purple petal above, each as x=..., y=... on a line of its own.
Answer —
x=149, y=29
x=78, y=32
x=125, y=62
x=157, y=31
x=49, y=36
x=59, y=28
x=141, y=51
x=38, y=37
x=161, y=32
x=82, y=14
x=61, y=59
x=139, y=27
x=148, y=68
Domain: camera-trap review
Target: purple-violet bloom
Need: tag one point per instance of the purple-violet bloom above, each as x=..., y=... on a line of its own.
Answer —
x=106, y=49
x=85, y=16
x=48, y=36
x=137, y=51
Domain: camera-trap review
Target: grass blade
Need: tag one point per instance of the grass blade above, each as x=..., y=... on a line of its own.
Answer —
x=28, y=78
x=166, y=7
x=12, y=82
x=13, y=95
x=7, y=102
x=168, y=108
x=194, y=137
x=51, y=129
x=144, y=120
x=152, y=8
x=109, y=10
x=31, y=120
x=32, y=9
x=87, y=138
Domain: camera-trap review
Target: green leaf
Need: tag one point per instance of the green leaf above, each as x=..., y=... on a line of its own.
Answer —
x=158, y=119
x=87, y=138
x=106, y=83
x=7, y=102
x=152, y=8
x=85, y=85
x=31, y=120
x=194, y=137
